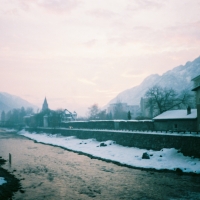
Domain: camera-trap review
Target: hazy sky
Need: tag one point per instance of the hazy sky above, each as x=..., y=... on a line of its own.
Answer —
x=81, y=52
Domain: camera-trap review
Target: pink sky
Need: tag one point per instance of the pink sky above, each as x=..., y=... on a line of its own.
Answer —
x=77, y=53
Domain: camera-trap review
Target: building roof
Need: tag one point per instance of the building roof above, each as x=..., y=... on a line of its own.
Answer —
x=196, y=88
x=45, y=105
x=195, y=78
x=67, y=112
x=177, y=114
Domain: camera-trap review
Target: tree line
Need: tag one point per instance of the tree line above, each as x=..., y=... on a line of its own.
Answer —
x=15, y=116
x=158, y=100
x=95, y=113
x=161, y=99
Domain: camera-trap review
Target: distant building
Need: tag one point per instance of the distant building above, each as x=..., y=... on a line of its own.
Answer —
x=196, y=88
x=68, y=116
x=45, y=105
x=146, y=110
x=49, y=118
x=134, y=109
x=3, y=116
x=30, y=120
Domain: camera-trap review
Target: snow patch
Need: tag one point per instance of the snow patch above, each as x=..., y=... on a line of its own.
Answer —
x=170, y=159
x=177, y=114
x=2, y=180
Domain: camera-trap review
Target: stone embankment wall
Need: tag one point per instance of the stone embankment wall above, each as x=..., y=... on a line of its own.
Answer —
x=158, y=125
x=188, y=145
x=121, y=125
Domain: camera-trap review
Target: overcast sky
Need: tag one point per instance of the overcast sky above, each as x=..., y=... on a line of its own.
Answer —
x=81, y=52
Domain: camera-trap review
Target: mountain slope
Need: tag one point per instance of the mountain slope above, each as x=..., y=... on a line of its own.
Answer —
x=8, y=102
x=178, y=78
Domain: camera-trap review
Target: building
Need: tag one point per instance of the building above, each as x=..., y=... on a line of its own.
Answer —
x=147, y=111
x=3, y=116
x=124, y=107
x=196, y=89
x=49, y=118
x=45, y=105
x=176, y=120
x=181, y=120
x=66, y=115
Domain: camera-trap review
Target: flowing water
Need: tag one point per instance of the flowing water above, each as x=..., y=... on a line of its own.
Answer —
x=48, y=172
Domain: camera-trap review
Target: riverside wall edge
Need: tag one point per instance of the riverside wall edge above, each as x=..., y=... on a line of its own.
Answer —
x=188, y=145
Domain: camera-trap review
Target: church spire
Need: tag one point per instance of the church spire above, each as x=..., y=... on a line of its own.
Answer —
x=45, y=105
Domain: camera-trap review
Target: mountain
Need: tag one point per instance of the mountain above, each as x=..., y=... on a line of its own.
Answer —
x=9, y=102
x=179, y=78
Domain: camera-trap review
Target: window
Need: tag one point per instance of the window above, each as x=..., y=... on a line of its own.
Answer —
x=175, y=125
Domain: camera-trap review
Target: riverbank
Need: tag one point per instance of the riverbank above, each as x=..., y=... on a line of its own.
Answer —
x=49, y=172
x=9, y=184
x=108, y=150
x=188, y=144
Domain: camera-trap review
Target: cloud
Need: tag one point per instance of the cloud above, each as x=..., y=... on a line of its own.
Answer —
x=186, y=30
x=108, y=92
x=128, y=35
x=102, y=13
x=59, y=6
x=11, y=12
x=54, y=6
x=143, y=40
x=85, y=81
x=82, y=97
x=182, y=37
x=25, y=4
x=133, y=73
x=144, y=4
x=102, y=91
x=90, y=43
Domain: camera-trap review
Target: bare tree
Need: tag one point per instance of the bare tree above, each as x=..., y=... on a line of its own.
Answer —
x=102, y=115
x=162, y=99
x=119, y=112
x=93, y=111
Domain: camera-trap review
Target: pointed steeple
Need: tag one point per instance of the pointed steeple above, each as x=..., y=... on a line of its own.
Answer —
x=45, y=105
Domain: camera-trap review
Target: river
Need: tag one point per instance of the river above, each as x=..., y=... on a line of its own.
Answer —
x=49, y=172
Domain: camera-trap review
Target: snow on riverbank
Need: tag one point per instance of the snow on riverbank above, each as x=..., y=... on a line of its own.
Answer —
x=2, y=181
x=165, y=159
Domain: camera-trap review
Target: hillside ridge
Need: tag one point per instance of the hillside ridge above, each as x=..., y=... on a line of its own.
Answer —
x=9, y=102
x=179, y=78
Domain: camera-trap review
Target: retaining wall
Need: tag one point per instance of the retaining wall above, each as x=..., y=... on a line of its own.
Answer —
x=112, y=124
x=188, y=145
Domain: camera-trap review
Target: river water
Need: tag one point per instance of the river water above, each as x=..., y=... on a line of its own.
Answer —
x=48, y=172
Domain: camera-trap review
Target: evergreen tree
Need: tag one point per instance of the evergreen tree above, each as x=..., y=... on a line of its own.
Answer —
x=3, y=116
x=129, y=115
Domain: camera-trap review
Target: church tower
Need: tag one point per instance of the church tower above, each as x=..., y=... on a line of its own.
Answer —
x=45, y=105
